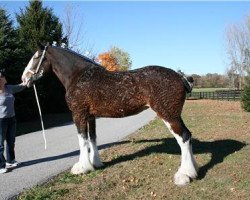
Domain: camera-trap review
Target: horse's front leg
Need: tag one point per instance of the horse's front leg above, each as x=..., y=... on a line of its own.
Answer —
x=94, y=154
x=83, y=165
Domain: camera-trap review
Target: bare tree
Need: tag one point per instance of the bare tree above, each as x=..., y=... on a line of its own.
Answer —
x=238, y=48
x=73, y=25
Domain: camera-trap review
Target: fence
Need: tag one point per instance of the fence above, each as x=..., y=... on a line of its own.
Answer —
x=229, y=95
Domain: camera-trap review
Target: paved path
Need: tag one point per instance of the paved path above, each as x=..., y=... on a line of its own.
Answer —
x=38, y=164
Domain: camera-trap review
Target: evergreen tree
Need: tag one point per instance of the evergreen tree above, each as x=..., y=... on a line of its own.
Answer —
x=7, y=37
x=245, y=98
x=10, y=49
x=39, y=25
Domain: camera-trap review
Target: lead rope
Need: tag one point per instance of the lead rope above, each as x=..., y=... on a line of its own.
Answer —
x=37, y=100
x=41, y=118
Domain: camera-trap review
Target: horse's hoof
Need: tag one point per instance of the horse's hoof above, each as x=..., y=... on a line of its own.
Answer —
x=193, y=175
x=181, y=179
x=79, y=168
x=191, y=172
x=98, y=164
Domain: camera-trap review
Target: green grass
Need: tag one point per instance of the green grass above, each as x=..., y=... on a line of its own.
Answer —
x=142, y=166
x=208, y=89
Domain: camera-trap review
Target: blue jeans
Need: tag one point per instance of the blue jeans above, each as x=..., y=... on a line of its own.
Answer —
x=8, y=133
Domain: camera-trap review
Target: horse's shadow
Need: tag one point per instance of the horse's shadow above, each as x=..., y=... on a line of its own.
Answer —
x=219, y=150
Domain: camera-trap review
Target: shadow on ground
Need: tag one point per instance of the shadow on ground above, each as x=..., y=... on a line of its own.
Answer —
x=48, y=159
x=49, y=120
x=219, y=150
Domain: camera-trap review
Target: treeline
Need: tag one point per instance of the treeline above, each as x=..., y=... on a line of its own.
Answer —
x=34, y=24
x=214, y=81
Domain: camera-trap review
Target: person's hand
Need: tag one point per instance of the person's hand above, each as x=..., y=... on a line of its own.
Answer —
x=23, y=84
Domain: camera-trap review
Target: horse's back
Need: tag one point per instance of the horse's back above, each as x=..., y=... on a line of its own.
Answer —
x=160, y=79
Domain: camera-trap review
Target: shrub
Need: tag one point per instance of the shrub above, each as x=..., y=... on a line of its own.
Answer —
x=245, y=97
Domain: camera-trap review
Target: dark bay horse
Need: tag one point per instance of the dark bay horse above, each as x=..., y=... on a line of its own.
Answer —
x=92, y=91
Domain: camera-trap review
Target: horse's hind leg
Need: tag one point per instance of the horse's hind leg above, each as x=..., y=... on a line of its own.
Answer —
x=83, y=165
x=188, y=168
x=94, y=154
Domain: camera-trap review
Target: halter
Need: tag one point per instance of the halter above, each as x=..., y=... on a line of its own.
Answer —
x=40, y=62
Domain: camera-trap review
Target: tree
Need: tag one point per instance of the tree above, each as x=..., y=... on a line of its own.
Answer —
x=123, y=58
x=245, y=98
x=108, y=61
x=10, y=48
x=238, y=48
x=197, y=80
x=7, y=39
x=37, y=24
x=73, y=29
x=210, y=81
x=115, y=60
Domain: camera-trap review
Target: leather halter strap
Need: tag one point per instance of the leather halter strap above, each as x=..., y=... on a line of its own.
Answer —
x=40, y=62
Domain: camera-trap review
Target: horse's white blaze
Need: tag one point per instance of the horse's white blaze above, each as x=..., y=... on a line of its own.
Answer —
x=28, y=68
x=84, y=165
x=94, y=155
x=188, y=166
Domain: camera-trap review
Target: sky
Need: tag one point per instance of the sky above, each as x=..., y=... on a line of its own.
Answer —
x=182, y=35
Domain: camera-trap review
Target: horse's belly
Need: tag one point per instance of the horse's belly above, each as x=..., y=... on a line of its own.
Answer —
x=117, y=112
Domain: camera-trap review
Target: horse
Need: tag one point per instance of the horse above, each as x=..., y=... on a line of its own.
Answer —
x=92, y=91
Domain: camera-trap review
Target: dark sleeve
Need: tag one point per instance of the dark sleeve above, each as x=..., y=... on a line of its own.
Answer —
x=16, y=88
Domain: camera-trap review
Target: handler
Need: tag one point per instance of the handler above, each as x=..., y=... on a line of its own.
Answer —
x=7, y=122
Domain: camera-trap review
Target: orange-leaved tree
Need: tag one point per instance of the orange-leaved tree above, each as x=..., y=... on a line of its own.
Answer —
x=108, y=61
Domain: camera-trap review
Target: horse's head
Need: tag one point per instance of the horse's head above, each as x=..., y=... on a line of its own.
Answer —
x=36, y=67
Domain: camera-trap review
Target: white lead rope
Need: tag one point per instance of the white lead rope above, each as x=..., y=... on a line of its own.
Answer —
x=37, y=100
x=41, y=118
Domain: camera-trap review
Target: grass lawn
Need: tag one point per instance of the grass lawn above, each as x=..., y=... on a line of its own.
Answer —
x=142, y=166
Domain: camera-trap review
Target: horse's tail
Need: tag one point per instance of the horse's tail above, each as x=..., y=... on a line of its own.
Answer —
x=188, y=82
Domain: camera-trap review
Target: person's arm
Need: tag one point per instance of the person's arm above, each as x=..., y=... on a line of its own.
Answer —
x=17, y=88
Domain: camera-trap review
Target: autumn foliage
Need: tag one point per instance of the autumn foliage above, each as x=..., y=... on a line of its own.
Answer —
x=108, y=61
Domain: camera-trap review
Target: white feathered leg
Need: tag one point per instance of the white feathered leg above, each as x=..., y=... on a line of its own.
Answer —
x=188, y=168
x=84, y=165
x=94, y=155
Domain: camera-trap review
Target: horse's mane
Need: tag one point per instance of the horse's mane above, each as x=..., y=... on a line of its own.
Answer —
x=78, y=55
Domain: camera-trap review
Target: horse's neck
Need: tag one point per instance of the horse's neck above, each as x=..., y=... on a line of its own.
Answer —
x=63, y=75
x=66, y=70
